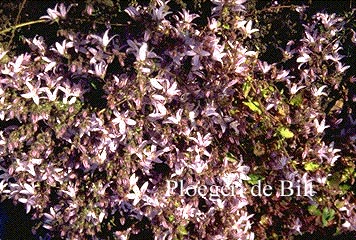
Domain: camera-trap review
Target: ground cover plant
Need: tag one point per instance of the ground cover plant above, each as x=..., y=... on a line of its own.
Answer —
x=100, y=119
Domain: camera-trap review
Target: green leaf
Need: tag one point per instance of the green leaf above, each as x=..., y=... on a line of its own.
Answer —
x=230, y=157
x=285, y=132
x=334, y=180
x=313, y=210
x=347, y=174
x=339, y=204
x=226, y=26
x=345, y=188
x=296, y=100
x=93, y=84
x=171, y=218
x=182, y=230
x=254, y=178
x=310, y=166
x=267, y=91
x=246, y=87
x=328, y=215
x=254, y=106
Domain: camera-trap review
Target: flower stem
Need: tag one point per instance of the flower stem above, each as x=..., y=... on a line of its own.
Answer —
x=22, y=25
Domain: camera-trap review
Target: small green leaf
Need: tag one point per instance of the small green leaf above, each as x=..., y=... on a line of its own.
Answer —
x=182, y=230
x=310, y=166
x=334, y=180
x=171, y=218
x=226, y=26
x=254, y=106
x=339, y=204
x=345, y=188
x=233, y=112
x=93, y=84
x=313, y=210
x=285, y=132
x=254, y=178
x=347, y=174
x=267, y=91
x=230, y=157
x=296, y=100
x=328, y=215
x=246, y=87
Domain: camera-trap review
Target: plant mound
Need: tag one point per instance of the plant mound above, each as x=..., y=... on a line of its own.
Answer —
x=97, y=128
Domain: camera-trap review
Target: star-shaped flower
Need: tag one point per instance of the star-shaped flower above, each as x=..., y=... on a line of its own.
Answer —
x=138, y=193
x=34, y=91
x=54, y=14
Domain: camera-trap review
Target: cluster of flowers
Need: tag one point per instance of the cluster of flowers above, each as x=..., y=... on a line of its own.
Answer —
x=172, y=101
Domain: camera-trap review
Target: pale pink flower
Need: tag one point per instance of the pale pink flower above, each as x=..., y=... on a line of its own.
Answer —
x=55, y=14
x=202, y=141
x=3, y=186
x=105, y=40
x=171, y=89
x=50, y=217
x=133, y=180
x=71, y=191
x=187, y=17
x=89, y=10
x=176, y=119
x=303, y=59
x=122, y=120
x=213, y=24
x=197, y=53
x=236, y=5
x=318, y=91
x=328, y=20
x=34, y=91
x=140, y=50
x=138, y=193
x=51, y=64
x=62, y=48
x=188, y=211
x=341, y=68
x=157, y=83
x=218, y=52
x=133, y=12
x=73, y=91
x=264, y=66
x=320, y=127
x=37, y=43
x=28, y=189
x=51, y=96
x=295, y=88
x=296, y=226
x=246, y=28
x=159, y=113
x=353, y=38
x=20, y=60
x=160, y=13
x=99, y=69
